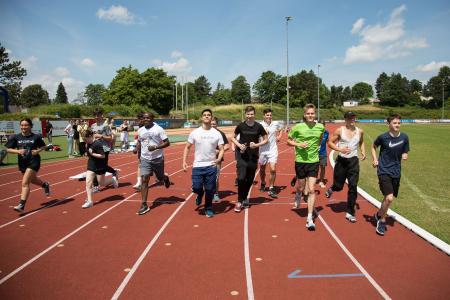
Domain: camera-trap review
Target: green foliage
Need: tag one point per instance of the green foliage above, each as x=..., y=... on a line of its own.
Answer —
x=362, y=91
x=202, y=88
x=240, y=90
x=221, y=95
x=347, y=93
x=61, y=95
x=303, y=88
x=438, y=87
x=34, y=95
x=94, y=94
x=395, y=91
x=270, y=87
x=11, y=76
x=381, y=80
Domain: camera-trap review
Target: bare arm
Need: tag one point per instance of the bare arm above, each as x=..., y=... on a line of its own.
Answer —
x=221, y=152
x=263, y=142
x=362, y=145
x=187, y=148
x=374, y=155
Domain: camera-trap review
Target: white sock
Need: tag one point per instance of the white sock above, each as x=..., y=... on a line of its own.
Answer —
x=139, y=181
x=309, y=216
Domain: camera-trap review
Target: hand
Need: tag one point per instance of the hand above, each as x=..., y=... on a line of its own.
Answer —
x=21, y=151
x=185, y=166
x=405, y=156
x=253, y=145
x=90, y=151
x=216, y=162
x=151, y=148
x=303, y=145
x=242, y=147
x=363, y=156
x=375, y=163
x=135, y=151
x=34, y=152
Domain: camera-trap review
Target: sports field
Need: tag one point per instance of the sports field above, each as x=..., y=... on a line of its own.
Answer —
x=424, y=196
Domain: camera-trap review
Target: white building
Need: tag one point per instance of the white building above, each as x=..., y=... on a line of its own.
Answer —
x=350, y=103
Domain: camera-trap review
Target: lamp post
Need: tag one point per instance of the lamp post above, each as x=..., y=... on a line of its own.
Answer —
x=443, y=98
x=287, y=71
x=318, y=93
x=176, y=96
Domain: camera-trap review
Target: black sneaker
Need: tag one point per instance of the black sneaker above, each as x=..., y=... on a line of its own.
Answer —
x=46, y=187
x=20, y=207
x=166, y=181
x=236, y=182
x=144, y=209
x=381, y=227
x=328, y=193
x=272, y=193
x=262, y=188
x=376, y=216
x=294, y=181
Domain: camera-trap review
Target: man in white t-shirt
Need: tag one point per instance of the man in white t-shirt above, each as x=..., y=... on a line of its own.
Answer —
x=151, y=140
x=204, y=171
x=268, y=153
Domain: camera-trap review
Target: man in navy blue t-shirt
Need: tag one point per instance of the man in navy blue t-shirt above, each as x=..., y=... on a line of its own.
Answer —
x=394, y=147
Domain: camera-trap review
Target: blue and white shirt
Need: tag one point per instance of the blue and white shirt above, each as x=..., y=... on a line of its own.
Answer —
x=391, y=150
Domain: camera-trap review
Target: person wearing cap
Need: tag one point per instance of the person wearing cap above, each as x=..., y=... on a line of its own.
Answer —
x=346, y=140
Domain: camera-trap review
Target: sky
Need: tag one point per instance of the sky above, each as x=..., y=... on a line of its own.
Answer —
x=82, y=42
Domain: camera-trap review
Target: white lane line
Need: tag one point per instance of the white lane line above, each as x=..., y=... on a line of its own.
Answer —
x=147, y=249
x=355, y=261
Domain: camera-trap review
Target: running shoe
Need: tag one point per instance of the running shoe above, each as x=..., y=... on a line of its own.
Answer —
x=216, y=198
x=95, y=189
x=381, y=227
x=238, y=207
x=322, y=185
x=298, y=198
x=272, y=193
x=87, y=204
x=166, y=181
x=209, y=213
x=137, y=187
x=329, y=192
x=236, y=182
x=262, y=188
x=20, y=207
x=144, y=209
x=46, y=187
x=198, y=200
x=310, y=225
x=350, y=217
x=246, y=203
x=376, y=216
x=116, y=174
x=294, y=181
x=115, y=182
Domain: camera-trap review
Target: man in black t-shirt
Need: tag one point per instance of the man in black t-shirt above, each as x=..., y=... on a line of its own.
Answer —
x=226, y=146
x=27, y=145
x=394, y=147
x=250, y=133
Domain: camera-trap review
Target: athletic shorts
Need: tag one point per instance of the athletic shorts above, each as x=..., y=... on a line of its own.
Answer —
x=389, y=185
x=124, y=137
x=268, y=157
x=34, y=164
x=323, y=160
x=148, y=167
x=303, y=170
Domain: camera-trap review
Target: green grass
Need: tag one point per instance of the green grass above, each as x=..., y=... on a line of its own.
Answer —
x=424, y=196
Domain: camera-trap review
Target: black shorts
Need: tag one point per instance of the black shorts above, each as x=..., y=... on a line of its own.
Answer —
x=34, y=164
x=303, y=170
x=389, y=185
x=98, y=171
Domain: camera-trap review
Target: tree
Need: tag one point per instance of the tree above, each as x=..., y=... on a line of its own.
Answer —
x=61, y=95
x=124, y=88
x=362, y=91
x=240, y=90
x=434, y=86
x=395, y=91
x=34, y=95
x=415, y=86
x=381, y=80
x=346, y=94
x=94, y=94
x=270, y=87
x=336, y=95
x=221, y=95
x=202, y=88
x=11, y=76
x=157, y=90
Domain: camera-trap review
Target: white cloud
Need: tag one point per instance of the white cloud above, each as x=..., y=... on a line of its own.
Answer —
x=119, y=14
x=383, y=41
x=157, y=62
x=50, y=84
x=176, y=54
x=62, y=72
x=181, y=67
x=357, y=25
x=29, y=62
x=432, y=66
x=87, y=62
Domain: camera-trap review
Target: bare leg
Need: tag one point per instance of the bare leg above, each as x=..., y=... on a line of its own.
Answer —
x=312, y=195
x=26, y=180
x=387, y=201
x=273, y=174
x=89, y=184
x=144, y=188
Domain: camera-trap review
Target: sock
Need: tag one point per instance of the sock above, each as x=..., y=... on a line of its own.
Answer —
x=271, y=187
x=22, y=202
x=309, y=216
x=139, y=181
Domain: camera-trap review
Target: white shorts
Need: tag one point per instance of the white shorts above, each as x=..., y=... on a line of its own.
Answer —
x=268, y=157
x=124, y=137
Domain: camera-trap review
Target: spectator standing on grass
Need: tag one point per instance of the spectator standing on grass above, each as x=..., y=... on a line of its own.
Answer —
x=69, y=132
x=268, y=153
x=204, y=169
x=346, y=140
x=226, y=146
x=76, y=138
x=27, y=145
x=306, y=138
x=251, y=136
x=82, y=127
x=96, y=167
x=49, y=132
x=394, y=147
x=124, y=136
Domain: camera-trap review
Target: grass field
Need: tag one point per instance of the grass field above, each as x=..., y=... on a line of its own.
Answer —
x=424, y=196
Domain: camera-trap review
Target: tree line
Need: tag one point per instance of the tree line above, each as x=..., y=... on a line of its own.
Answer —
x=155, y=89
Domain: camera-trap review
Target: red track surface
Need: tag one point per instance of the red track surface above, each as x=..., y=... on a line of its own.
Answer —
x=175, y=252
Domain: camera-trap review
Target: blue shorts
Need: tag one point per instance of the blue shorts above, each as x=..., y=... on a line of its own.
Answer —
x=204, y=178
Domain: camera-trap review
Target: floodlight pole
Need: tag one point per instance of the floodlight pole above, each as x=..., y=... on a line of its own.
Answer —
x=443, y=99
x=318, y=93
x=287, y=71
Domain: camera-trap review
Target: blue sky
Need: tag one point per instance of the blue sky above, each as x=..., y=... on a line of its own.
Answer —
x=82, y=42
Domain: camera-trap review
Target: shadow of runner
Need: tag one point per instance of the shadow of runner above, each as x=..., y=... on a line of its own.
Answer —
x=166, y=200
x=48, y=204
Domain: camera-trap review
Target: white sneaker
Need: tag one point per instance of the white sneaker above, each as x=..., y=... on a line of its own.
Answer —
x=310, y=224
x=87, y=204
x=115, y=182
x=95, y=189
x=322, y=185
x=298, y=198
x=137, y=187
x=216, y=198
x=350, y=217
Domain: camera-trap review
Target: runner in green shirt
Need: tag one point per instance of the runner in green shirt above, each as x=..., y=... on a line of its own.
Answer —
x=306, y=138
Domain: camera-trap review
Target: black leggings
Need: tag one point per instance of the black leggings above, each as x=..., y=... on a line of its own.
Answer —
x=347, y=168
x=108, y=169
x=246, y=173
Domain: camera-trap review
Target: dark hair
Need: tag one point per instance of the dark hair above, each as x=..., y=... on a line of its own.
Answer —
x=215, y=119
x=28, y=121
x=267, y=110
x=98, y=111
x=392, y=117
x=149, y=113
x=250, y=108
x=88, y=133
x=140, y=115
x=206, y=110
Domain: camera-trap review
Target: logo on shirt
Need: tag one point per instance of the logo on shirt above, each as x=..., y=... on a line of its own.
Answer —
x=391, y=145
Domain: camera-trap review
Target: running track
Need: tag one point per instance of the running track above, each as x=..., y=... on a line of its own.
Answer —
x=58, y=250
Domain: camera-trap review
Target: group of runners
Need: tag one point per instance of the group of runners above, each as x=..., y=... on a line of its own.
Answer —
x=255, y=145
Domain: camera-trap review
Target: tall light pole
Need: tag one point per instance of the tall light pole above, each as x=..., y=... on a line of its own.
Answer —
x=176, y=96
x=443, y=99
x=318, y=93
x=287, y=71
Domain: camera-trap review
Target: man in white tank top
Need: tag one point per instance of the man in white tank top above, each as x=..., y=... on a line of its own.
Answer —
x=346, y=140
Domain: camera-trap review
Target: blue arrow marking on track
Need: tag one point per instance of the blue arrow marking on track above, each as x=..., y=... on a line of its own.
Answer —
x=294, y=275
